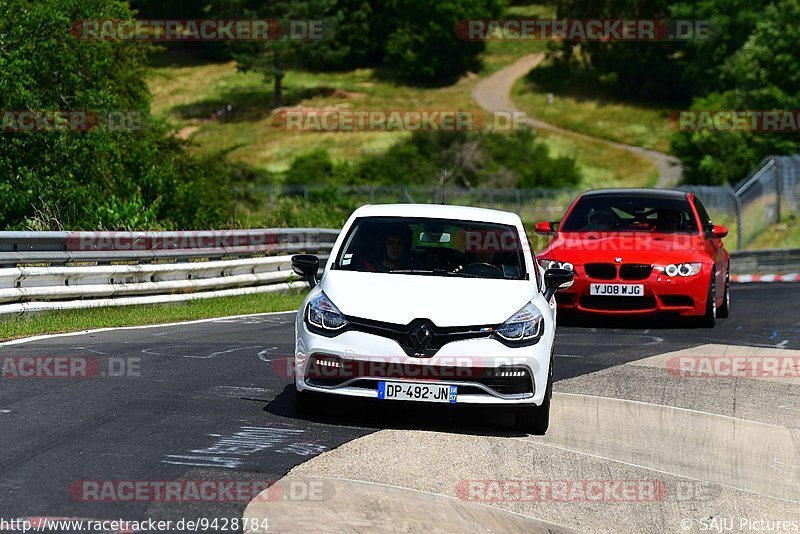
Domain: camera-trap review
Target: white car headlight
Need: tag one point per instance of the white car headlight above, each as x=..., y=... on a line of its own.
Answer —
x=681, y=269
x=525, y=325
x=323, y=314
x=555, y=264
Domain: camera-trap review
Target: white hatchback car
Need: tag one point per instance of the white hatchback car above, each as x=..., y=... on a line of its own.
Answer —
x=429, y=303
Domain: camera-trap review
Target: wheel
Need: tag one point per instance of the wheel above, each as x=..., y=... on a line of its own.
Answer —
x=305, y=402
x=710, y=318
x=536, y=419
x=725, y=310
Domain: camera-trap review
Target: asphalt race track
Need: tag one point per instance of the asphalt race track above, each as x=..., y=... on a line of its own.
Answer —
x=211, y=401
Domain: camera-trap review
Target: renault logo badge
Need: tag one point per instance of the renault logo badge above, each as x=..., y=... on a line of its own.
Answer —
x=421, y=337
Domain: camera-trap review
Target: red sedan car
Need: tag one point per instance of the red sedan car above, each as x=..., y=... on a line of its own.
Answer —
x=640, y=252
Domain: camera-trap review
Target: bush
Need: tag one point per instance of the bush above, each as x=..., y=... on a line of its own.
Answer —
x=530, y=162
x=312, y=168
x=471, y=159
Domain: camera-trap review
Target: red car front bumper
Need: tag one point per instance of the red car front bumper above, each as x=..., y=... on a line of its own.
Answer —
x=683, y=296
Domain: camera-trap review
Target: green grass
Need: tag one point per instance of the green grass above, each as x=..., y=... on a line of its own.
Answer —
x=77, y=320
x=582, y=109
x=500, y=53
x=602, y=165
x=783, y=235
x=188, y=95
x=187, y=92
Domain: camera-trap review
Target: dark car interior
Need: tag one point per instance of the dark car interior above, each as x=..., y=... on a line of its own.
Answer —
x=612, y=214
x=438, y=247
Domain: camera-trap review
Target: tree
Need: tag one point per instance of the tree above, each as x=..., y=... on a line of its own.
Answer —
x=422, y=45
x=135, y=177
x=352, y=37
x=665, y=71
x=701, y=61
x=765, y=73
x=269, y=57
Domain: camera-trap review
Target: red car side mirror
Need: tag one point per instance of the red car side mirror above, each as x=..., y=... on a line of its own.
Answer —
x=545, y=228
x=719, y=231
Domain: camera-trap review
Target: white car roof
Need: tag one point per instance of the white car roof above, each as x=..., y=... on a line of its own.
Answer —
x=439, y=211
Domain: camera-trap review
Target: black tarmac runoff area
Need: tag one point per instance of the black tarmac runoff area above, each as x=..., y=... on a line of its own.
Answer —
x=212, y=401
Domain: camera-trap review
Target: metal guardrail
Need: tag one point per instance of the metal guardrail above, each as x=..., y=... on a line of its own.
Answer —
x=767, y=261
x=69, y=270
x=42, y=271
x=58, y=248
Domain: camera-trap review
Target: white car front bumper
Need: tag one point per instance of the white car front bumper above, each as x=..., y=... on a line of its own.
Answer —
x=459, y=363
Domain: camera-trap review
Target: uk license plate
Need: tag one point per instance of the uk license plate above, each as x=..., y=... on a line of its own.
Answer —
x=415, y=391
x=617, y=290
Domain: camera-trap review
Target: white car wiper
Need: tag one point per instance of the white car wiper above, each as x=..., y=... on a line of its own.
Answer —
x=433, y=271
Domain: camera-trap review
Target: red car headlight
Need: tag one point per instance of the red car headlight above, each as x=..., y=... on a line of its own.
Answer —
x=680, y=269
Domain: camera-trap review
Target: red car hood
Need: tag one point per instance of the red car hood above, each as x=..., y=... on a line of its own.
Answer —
x=579, y=248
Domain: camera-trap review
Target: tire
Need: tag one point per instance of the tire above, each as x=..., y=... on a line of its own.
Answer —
x=710, y=318
x=725, y=310
x=305, y=402
x=536, y=419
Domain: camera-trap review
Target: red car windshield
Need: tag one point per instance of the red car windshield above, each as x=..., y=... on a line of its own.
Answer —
x=607, y=213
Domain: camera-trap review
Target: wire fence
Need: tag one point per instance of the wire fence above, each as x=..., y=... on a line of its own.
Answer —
x=769, y=193
x=530, y=204
x=763, y=198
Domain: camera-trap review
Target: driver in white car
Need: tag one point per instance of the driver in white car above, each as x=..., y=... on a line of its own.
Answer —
x=395, y=250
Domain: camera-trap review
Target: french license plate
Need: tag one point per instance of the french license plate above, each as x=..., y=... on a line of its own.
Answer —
x=415, y=391
x=617, y=290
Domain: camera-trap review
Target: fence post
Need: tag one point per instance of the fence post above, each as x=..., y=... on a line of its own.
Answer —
x=778, y=191
x=737, y=206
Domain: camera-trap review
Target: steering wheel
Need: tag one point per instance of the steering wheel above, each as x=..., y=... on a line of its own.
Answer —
x=482, y=270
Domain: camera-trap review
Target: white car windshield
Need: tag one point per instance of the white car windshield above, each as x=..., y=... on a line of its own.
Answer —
x=436, y=247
